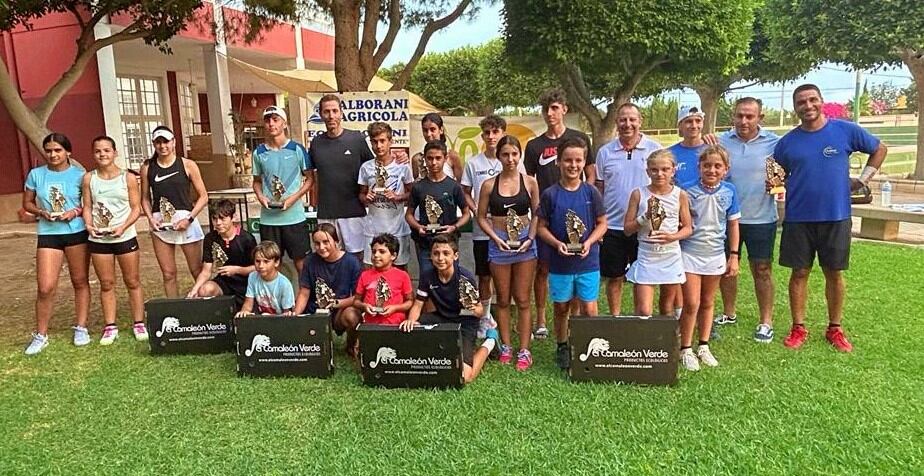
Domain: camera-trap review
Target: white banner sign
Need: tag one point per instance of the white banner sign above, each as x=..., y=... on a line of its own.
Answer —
x=362, y=108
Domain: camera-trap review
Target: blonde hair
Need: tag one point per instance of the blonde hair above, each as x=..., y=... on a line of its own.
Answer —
x=661, y=154
x=716, y=150
x=269, y=250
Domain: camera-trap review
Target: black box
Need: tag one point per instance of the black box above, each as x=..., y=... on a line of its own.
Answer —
x=284, y=346
x=631, y=349
x=190, y=326
x=427, y=357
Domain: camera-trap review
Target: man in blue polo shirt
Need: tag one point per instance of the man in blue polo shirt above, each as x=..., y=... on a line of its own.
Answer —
x=816, y=157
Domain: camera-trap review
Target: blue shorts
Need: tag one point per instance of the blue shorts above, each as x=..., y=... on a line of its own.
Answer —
x=758, y=239
x=564, y=287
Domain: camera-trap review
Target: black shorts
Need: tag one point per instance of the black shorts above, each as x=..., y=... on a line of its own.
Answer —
x=617, y=252
x=59, y=242
x=480, y=250
x=830, y=240
x=758, y=239
x=292, y=239
x=232, y=288
x=120, y=248
x=469, y=331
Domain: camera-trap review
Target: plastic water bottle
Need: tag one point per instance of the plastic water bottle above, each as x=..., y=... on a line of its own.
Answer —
x=885, y=194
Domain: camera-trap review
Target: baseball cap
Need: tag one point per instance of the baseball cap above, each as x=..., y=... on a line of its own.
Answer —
x=687, y=112
x=161, y=134
x=269, y=111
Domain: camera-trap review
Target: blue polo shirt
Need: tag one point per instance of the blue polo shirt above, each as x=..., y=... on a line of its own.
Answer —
x=748, y=174
x=287, y=163
x=817, y=165
x=687, y=173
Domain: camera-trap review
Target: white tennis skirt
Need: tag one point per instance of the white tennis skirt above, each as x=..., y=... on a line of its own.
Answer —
x=704, y=265
x=191, y=234
x=657, y=267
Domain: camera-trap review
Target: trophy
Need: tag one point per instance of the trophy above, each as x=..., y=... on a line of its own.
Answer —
x=433, y=211
x=514, y=227
x=57, y=202
x=776, y=178
x=468, y=297
x=655, y=214
x=219, y=257
x=382, y=295
x=421, y=163
x=102, y=218
x=575, y=228
x=277, y=189
x=167, y=211
x=381, y=179
x=324, y=296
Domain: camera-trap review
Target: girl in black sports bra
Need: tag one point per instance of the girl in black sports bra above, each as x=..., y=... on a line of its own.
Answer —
x=510, y=200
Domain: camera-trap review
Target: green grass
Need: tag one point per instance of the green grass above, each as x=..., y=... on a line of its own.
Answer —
x=765, y=410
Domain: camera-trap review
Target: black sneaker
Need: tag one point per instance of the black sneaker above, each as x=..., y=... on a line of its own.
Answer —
x=563, y=357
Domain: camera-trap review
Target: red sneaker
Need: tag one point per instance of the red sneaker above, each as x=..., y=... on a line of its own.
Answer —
x=796, y=337
x=838, y=339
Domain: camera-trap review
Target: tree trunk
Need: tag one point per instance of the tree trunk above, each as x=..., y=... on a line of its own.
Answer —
x=915, y=62
x=709, y=95
x=24, y=118
x=348, y=68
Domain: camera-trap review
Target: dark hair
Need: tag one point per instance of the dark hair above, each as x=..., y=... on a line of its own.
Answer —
x=445, y=239
x=330, y=97
x=328, y=228
x=572, y=142
x=60, y=139
x=223, y=209
x=509, y=140
x=749, y=99
x=436, y=119
x=805, y=87
x=388, y=241
x=105, y=138
x=269, y=250
x=435, y=144
x=493, y=121
x=552, y=96
x=378, y=128
x=629, y=104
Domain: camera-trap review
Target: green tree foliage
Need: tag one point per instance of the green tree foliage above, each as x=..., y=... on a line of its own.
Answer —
x=911, y=97
x=888, y=93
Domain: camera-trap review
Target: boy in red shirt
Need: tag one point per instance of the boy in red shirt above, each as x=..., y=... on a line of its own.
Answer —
x=381, y=277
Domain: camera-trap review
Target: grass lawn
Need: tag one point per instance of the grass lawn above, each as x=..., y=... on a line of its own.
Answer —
x=765, y=410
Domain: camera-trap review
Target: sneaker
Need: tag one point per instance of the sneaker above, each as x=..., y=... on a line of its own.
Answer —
x=796, y=337
x=81, y=336
x=140, y=331
x=524, y=360
x=706, y=357
x=506, y=354
x=838, y=339
x=38, y=343
x=726, y=319
x=688, y=360
x=541, y=332
x=110, y=334
x=763, y=334
x=563, y=357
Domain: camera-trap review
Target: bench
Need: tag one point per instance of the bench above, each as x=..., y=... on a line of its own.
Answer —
x=881, y=223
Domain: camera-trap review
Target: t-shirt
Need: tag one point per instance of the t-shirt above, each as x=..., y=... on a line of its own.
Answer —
x=711, y=213
x=67, y=182
x=385, y=216
x=399, y=282
x=270, y=297
x=288, y=163
x=687, y=173
x=477, y=170
x=239, y=252
x=748, y=174
x=587, y=203
x=340, y=275
x=448, y=195
x=337, y=160
x=817, y=165
x=541, y=157
x=445, y=296
x=622, y=171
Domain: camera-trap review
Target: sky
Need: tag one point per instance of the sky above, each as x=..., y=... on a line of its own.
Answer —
x=837, y=82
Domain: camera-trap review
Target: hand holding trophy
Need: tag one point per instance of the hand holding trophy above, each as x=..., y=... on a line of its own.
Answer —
x=514, y=228
x=167, y=212
x=219, y=257
x=277, y=189
x=433, y=210
x=381, y=180
x=57, y=202
x=324, y=296
x=655, y=214
x=102, y=218
x=468, y=297
x=575, y=228
x=382, y=295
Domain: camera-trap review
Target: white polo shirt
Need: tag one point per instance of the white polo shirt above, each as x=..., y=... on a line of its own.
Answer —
x=622, y=171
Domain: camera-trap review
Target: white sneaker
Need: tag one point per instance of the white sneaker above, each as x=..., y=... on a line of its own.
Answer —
x=81, y=336
x=706, y=357
x=110, y=334
x=688, y=360
x=140, y=331
x=39, y=342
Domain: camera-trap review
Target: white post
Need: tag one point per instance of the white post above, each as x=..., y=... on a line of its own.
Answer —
x=108, y=88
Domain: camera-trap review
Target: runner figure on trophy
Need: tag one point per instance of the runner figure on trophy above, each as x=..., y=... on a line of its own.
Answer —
x=57, y=202
x=655, y=214
x=277, y=189
x=381, y=180
x=167, y=212
x=514, y=228
x=102, y=218
x=575, y=228
x=324, y=296
x=468, y=297
x=776, y=179
x=219, y=257
x=382, y=295
x=433, y=211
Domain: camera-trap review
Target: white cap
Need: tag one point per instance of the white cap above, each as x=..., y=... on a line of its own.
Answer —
x=686, y=112
x=269, y=111
x=161, y=134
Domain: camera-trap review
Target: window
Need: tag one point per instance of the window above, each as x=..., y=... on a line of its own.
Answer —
x=141, y=109
x=187, y=111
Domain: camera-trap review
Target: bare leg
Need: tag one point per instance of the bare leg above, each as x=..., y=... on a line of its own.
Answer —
x=193, y=254
x=501, y=274
x=729, y=286
x=706, y=311
x=541, y=292
x=561, y=321
x=470, y=373
x=104, y=265
x=691, y=296
x=47, y=269
x=130, y=264
x=763, y=287
x=78, y=264
x=521, y=290
x=667, y=298
x=347, y=319
x=835, y=291
x=798, y=294
x=210, y=289
x=166, y=259
x=644, y=297
x=614, y=294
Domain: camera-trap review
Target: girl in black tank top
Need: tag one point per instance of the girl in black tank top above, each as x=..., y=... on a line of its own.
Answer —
x=499, y=205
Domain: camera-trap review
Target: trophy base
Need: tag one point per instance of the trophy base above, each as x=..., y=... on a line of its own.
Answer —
x=378, y=310
x=275, y=205
x=514, y=244
x=56, y=215
x=433, y=229
x=167, y=227
x=466, y=313
x=777, y=190
x=321, y=311
x=104, y=232
x=379, y=190
x=574, y=248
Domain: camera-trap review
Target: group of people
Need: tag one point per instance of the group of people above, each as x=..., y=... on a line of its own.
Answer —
x=551, y=220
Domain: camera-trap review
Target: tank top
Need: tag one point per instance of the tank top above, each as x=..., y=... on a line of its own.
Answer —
x=671, y=203
x=171, y=183
x=499, y=204
x=113, y=194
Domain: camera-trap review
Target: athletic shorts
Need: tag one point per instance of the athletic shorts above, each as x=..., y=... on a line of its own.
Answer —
x=405, y=250
x=695, y=263
x=119, y=248
x=352, y=232
x=59, y=242
x=292, y=239
x=192, y=234
x=480, y=250
x=759, y=239
x=617, y=252
x=468, y=331
x=232, y=288
x=564, y=287
x=830, y=240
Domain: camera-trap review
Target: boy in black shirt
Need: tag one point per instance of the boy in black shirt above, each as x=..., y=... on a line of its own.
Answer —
x=228, y=254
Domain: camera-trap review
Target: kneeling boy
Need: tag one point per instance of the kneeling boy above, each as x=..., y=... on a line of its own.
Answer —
x=227, y=253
